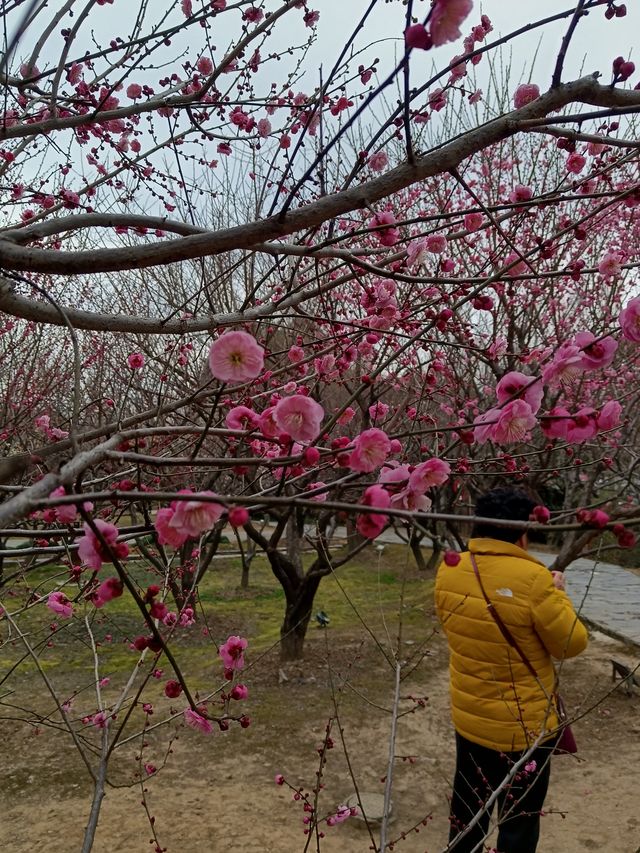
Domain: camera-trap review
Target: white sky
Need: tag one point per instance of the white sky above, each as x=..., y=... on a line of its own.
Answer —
x=595, y=44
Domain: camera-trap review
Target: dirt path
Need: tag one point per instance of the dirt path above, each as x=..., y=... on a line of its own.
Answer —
x=217, y=794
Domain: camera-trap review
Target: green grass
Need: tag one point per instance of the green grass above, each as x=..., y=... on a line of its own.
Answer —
x=374, y=588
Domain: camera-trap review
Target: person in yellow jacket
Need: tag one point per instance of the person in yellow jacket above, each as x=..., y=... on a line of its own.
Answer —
x=500, y=710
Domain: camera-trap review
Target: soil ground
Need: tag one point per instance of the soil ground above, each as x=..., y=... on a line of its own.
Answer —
x=218, y=794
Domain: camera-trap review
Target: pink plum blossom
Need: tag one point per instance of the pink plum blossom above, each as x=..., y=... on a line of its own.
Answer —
x=556, y=423
x=371, y=525
x=108, y=590
x=91, y=550
x=427, y=475
x=575, y=162
x=236, y=357
x=630, y=320
x=66, y=513
x=378, y=411
x=299, y=417
x=232, y=653
x=484, y=425
x=60, y=604
x=582, y=426
x=268, y=426
x=436, y=243
x=446, y=18
x=168, y=535
x=197, y=721
x=386, y=234
x=241, y=417
x=416, y=36
x=451, y=558
x=515, y=421
x=567, y=366
x=238, y=516
x=516, y=385
x=610, y=265
x=135, y=360
x=195, y=516
x=525, y=93
x=239, y=692
x=609, y=416
x=378, y=161
x=371, y=448
x=595, y=352
x=473, y=221
x=393, y=474
x=343, y=813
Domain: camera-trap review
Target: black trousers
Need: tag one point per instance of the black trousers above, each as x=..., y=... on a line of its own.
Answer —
x=479, y=772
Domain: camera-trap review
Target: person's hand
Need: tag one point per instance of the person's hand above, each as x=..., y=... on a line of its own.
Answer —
x=558, y=580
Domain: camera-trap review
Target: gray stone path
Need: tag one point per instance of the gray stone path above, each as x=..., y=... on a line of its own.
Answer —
x=605, y=594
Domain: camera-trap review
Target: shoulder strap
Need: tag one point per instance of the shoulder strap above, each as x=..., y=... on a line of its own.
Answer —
x=506, y=633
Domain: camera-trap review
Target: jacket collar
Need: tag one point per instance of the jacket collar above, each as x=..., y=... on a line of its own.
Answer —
x=499, y=548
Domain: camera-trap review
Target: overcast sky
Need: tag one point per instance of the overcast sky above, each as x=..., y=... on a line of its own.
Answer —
x=596, y=42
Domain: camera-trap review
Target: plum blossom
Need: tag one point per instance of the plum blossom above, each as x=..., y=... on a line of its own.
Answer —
x=168, y=535
x=445, y=20
x=135, y=360
x=556, y=422
x=386, y=234
x=321, y=497
x=197, y=721
x=232, y=653
x=60, y=604
x=575, y=162
x=436, y=243
x=65, y=513
x=378, y=161
x=108, y=590
x=299, y=417
x=609, y=416
x=629, y=320
x=371, y=525
x=427, y=475
x=473, y=221
x=566, y=366
x=525, y=93
x=520, y=386
x=610, y=265
x=267, y=424
x=595, y=352
x=451, y=558
x=193, y=517
x=91, y=550
x=484, y=425
x=416, y=36
x=515, y=421
x=343, y=813
x=241, y=417
x=236, y=357
x=371, y=448
x=378, y=411
x=238, y=516
x=582, y=426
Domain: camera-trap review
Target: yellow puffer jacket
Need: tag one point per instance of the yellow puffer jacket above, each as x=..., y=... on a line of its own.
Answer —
x=495, y=700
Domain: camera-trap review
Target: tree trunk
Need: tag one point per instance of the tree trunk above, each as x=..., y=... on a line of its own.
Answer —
x=416, y=549
x=435, y=558
x=244, y=579
x=296, y=618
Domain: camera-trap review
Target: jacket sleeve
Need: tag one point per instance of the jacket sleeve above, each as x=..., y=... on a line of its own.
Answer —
x=555, y=620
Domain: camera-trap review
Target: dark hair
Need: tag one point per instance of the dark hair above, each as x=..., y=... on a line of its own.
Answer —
x=506, y=503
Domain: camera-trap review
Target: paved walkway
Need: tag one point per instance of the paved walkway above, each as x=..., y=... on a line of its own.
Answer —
x=605, y=594
x=608, y=596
